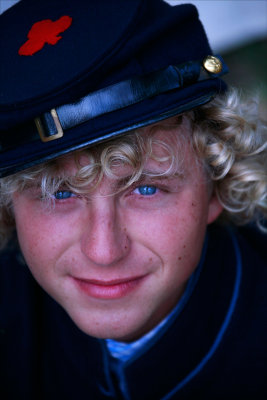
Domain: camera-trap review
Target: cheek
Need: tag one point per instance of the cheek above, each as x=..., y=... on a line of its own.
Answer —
x=36, y=243
x=41, y=237
x=176, y=237
x=173, y=228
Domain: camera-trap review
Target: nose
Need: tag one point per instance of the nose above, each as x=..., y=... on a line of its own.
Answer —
x=104, y=241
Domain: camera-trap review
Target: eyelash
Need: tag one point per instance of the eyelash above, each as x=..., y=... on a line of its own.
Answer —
x=148, y=190
x=142, y=190
x=63, y=195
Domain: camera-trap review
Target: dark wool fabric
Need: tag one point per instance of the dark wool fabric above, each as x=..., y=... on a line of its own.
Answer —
x=55, y=53
x=107, y=42
x=215, y=349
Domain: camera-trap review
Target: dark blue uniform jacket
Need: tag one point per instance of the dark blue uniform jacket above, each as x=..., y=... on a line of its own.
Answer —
x=215, y=349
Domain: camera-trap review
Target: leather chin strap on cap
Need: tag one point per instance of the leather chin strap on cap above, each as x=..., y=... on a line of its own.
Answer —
x=51, y=125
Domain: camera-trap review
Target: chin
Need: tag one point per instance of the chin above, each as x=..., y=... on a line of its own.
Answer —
x=109, y=328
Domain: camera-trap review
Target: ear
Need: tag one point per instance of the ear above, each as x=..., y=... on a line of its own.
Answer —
x=215, y=208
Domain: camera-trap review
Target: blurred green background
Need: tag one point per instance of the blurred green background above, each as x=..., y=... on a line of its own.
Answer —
x=248, y=70
x=237, y=29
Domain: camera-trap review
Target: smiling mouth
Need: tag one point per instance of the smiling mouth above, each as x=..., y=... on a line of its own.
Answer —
x=113, y=289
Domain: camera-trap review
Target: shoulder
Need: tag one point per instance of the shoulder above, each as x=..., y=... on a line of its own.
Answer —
x=17, y=287
x=247, y=242
x=253, y=243
x=245, y=249
x=246, y=333
x=14, y=273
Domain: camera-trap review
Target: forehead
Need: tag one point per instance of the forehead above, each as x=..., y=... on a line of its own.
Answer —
x=156, y=145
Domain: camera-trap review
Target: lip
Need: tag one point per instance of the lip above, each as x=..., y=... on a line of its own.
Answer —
x=113, y=289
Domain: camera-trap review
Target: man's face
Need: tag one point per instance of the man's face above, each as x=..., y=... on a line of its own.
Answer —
x=118, y=263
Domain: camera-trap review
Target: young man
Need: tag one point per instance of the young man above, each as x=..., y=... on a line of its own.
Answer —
x=120, y=148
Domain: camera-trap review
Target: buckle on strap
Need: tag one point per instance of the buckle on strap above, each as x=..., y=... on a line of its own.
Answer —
x=51, y=121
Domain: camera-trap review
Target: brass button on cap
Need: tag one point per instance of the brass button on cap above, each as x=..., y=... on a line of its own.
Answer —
x=212, y=64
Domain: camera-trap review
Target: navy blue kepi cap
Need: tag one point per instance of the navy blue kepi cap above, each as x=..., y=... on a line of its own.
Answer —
x=75, y=73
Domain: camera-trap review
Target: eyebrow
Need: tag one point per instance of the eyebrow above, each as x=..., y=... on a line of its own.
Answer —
x=151, y=175
x=147, y=175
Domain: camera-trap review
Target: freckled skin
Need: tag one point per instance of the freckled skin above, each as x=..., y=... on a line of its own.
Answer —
x=118, y=237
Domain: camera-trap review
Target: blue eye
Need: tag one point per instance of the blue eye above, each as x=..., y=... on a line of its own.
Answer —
x=146, y=190
x=63, y=195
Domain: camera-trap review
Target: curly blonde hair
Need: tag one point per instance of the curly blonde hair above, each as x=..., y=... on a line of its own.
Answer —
x=226, y=134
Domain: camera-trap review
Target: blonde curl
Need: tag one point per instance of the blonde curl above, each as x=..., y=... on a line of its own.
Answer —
x=229, y=140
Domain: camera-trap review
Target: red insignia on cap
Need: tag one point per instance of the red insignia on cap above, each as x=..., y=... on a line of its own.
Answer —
x=42, y=32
